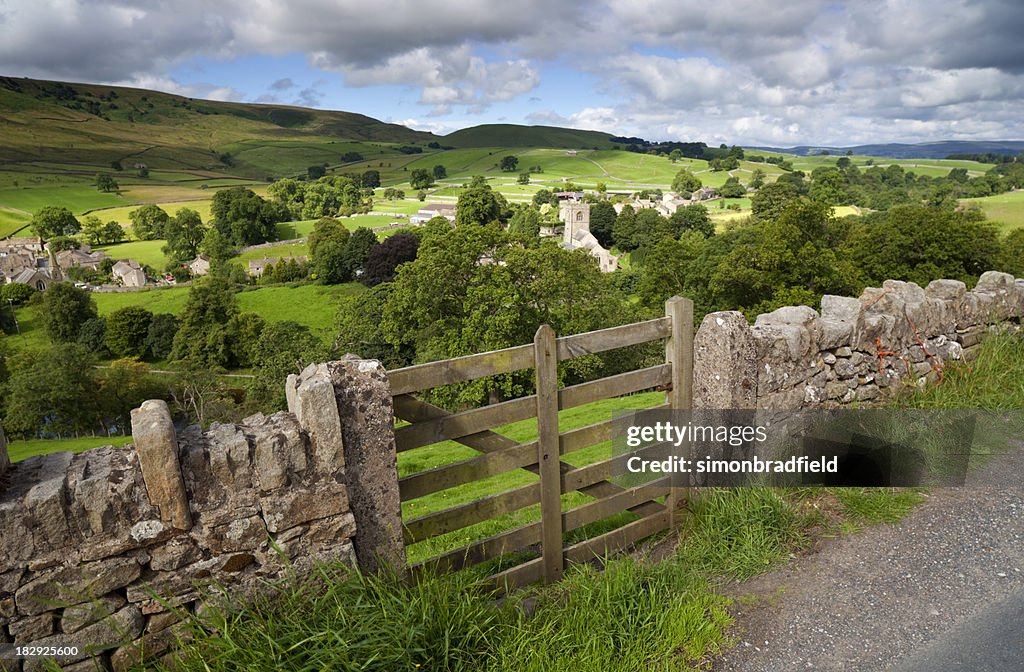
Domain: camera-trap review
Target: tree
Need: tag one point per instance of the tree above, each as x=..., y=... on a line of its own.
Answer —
x=281, y=349
x=624, y=230
x=53, y=389
x=93, y=335
x=383, y=259
x=440, y=172
x=63, y=243
x=148, y=222
x=525, y=225
x=651, y=228
x=357, y=250
x=757, y=179
x=160, y=337
x=420, y=179
x=247, y=219
x=685, y=183
x=478, y=204
x=772, y=199
x=316, y=172
x=105, y=183
x=675, y=155
x=126, y=332
x=733, y=189
x=393, y=194
x=602, y=220
x=509, y=164
x=216, y=246
x=143, y=172
x=202, y=337
x=184, y=235
x=16, y=292
x=524, y=178
x=667, y=269
x=112, y=233
x=692, y=218
x=51, y=221
x=370, y=179
x=542, y=196
x=65, y=308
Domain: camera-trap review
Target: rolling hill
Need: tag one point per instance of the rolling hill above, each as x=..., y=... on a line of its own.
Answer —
x=924, y=150
x=513, y=135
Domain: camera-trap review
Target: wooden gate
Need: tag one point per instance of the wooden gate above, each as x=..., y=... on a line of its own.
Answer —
x=653, y=502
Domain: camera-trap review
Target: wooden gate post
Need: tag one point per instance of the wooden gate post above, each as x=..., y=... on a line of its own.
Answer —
x=679, y=353
x=548, y=454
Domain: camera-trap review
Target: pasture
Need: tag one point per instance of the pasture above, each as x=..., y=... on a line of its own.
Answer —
x=1005, y=210
x=76, y=198
x=149, y=252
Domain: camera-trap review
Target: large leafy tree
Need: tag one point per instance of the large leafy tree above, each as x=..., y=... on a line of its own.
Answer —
x=245, y=218
x=127, y=330
x=53, y=389
x=65, y=308
x=602, y=221
x=52, y=221
x=184, y=233
x=148, y=222
x=202, y=338
x=384, y=259
x=685, y=183
x=478, y=204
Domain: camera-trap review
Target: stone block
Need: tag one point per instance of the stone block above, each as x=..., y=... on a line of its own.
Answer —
x=371, y=462
x=230, y=456
x=725, y=363
x=74, y=585
x=148, y=647
x=112, y=632
x=315, y=406
x=295, y=506
x=157, y=445
x=82, y=615
x=31, y=628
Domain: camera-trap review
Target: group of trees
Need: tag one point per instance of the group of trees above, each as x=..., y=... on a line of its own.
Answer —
x=328, y=196
x=795, y=249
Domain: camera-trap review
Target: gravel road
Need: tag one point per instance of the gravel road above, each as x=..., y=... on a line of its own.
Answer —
x=941, y=590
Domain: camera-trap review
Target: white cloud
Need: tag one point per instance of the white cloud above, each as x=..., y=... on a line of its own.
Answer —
x=801, y=71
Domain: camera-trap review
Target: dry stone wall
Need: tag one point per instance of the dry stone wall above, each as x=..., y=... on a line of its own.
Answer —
x=855, y=351
x=103, y=547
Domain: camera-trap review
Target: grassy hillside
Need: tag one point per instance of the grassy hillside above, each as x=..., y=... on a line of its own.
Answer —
x=94, y=125
x=513, y=135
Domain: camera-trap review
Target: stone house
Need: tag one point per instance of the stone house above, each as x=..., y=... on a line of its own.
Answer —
x=200, y=265
x=83, y=257
x=128, y=273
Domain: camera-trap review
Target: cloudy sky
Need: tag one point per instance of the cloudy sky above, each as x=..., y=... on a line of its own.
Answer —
x=735, y=71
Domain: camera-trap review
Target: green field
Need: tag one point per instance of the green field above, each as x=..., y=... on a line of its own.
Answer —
x=19, y=450
x=11, y=221
x=289, y=250
x=77, y=199
x=1007, y=209
x=143, y=251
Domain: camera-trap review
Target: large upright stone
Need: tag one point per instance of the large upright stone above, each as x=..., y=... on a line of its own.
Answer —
x=311, y=398
x=371, y=464
x=157, y=446
x=724, y=363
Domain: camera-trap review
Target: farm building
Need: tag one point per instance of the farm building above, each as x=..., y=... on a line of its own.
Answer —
x=200, y=265
x=129, y=273
x=431, y=210
x=83, y=257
